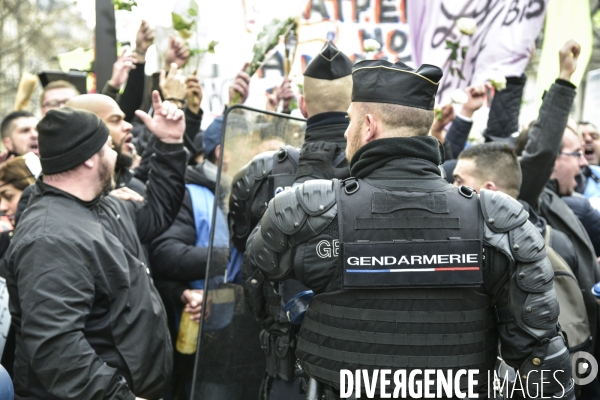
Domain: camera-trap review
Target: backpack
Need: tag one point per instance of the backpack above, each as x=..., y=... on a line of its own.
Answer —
x=573, y=316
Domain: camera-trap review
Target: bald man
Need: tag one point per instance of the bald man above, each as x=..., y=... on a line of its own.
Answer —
x=120, y=132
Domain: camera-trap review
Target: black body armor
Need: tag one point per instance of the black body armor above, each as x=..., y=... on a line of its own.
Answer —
x=408, y=292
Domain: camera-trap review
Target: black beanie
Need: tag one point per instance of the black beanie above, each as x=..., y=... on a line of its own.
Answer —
x=68, y=137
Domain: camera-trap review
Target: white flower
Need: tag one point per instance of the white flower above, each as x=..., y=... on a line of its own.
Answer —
x=498, y=81
x=458, y=96
x=466, y=26
x=371, y=45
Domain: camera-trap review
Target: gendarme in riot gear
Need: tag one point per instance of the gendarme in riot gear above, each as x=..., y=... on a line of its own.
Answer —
x=408, y=271
x=327, y=93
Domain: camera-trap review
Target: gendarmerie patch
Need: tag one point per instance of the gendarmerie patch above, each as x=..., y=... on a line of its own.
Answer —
x=448, y=263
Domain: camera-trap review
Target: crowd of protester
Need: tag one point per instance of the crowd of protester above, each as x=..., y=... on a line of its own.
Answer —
x=100, y=236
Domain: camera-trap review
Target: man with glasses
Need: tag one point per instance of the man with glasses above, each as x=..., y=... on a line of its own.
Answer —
x=568, y=167
x=56, y=94
x=577, y=219
x=569, y=162
x=549, y=173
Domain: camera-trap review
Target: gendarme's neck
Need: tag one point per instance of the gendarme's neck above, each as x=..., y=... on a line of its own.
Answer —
x=327, y=127
x=372, y=156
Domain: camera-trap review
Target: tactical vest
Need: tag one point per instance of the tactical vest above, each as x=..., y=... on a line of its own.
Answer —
x=408, y=292
x=278, y=340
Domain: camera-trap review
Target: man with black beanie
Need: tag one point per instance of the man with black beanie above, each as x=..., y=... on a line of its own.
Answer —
x=405, y=286
x=89, y=322
x=120, y=131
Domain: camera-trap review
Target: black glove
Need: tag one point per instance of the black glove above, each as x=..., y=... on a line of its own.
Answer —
x=316, y=160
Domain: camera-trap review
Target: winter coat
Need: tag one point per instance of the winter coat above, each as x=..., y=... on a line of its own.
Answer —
x=89, y=322
x=174, y=254
x=588, y=215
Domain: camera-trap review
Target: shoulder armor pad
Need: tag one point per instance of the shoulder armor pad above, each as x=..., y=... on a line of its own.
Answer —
x=273, y=237
x=241, y=186
x=526, y=243
x=261, y=165
x=502, y=213
x=286, y=212
x=316, y=196
x=288, y=151
x=254, y=171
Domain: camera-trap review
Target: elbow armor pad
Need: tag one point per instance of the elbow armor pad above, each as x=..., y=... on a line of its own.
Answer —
x=532, y=300
x=246, y=204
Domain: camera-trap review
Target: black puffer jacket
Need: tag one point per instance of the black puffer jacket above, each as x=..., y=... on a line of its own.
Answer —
x=124, y=178
x=89, y=322
x=174, y=254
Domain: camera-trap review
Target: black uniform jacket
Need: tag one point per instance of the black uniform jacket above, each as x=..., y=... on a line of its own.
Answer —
x=89, y=322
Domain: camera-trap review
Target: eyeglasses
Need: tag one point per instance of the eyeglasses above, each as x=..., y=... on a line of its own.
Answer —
x=55, y=103
x=576, y=154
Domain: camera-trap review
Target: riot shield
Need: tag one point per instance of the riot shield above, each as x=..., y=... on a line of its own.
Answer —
x=230, y=363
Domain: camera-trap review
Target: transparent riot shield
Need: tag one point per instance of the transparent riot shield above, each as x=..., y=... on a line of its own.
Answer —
x=230, y=364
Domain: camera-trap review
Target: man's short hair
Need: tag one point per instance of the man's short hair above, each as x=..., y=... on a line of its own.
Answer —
x=7, y=123
x=399, y=120
x=60, y=84
x=587, y=123
x=498, y=163
x=323, y=95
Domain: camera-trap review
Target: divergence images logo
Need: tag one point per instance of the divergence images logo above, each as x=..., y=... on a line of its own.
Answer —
x=584, y=367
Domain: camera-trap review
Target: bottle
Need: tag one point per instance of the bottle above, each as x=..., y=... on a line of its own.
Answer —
x=187, y=338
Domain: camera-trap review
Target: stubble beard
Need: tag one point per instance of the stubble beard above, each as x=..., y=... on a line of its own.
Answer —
x=106, y=173
x=353, y=145
x=124, y=161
